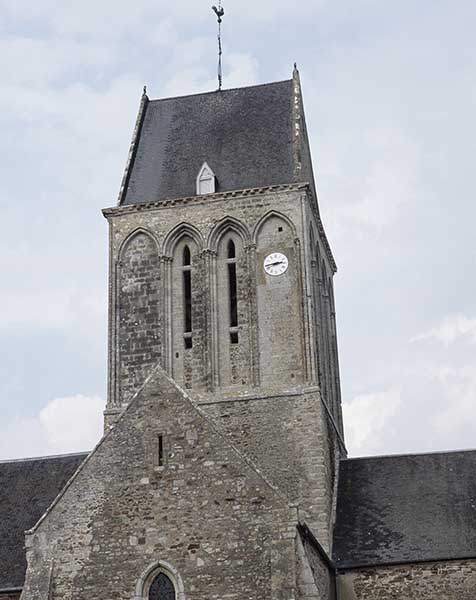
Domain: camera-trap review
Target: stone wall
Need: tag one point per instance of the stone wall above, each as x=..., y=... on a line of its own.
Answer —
x=261, y=389
x=292, y=441
x=315, y=576
x=198, y=508
x=138, y=313
x=275, y=318
x=451, y=580
x=10, y=596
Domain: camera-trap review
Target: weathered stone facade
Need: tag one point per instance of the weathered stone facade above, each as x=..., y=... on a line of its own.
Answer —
x=202, y=511
x=315, y=572
x=443, y=580
x=286, y=325
x=223, y=427
x=262, y=388
x=291, y=439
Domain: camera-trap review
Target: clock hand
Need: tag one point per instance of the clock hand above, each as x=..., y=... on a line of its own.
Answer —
x=279, y=262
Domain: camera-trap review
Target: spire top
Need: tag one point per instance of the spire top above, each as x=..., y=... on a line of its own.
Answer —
x=219, y=13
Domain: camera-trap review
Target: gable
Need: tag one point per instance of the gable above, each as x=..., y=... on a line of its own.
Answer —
x=199, y=508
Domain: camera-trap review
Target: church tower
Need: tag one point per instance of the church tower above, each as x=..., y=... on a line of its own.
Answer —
x=216, y=475
x=220, y=271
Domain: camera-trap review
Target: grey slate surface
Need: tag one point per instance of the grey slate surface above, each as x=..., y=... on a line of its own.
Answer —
x=398, y=509
x=27, y=488
x=245, y=135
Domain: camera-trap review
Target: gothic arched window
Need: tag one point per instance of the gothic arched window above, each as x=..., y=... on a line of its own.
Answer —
x=162, y=588
x=232, y=291
x=187, y=296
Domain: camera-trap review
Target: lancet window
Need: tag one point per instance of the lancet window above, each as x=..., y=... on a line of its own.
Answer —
x=232, y=292
x=162, y=588
x=187, y=297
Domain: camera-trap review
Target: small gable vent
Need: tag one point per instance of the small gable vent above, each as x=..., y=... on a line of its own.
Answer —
x=206, y=181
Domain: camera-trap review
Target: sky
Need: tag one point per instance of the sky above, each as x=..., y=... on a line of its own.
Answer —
x=390, y=95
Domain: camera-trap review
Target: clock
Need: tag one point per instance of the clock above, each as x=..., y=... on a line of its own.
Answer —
x=276, y=263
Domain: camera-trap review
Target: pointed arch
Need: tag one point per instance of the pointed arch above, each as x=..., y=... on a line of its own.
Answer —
x=133, y=234
x=266, y=217
x=149, y=575
x=224, y=226
x=137, y=307
x=177, y=233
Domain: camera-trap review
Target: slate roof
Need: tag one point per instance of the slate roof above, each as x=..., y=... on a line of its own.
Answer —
x=398, y=509
x=27, y=488
x=245, y=135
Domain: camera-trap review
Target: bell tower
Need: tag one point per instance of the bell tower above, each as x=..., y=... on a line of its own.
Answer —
x=220, y=271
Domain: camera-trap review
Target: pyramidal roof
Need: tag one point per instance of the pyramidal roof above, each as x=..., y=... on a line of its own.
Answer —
x=250, y=138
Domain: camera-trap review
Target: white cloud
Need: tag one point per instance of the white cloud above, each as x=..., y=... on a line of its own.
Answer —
x=72, y=423
x=64, y=425
x=456, y=419
x=453, y=328
x=366, y=420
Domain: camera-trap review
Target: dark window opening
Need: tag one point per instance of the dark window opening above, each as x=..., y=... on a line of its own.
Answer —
x=187, y=293
x=187, y=301
x=188, y=342
x=161, y=451
x=186, y=256
x=162, y=588
x=234, y=337
x=280, y=229
x=231, y=249
x=233, y=294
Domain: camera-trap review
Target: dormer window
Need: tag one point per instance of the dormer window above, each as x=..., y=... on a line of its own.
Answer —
x=206, y=181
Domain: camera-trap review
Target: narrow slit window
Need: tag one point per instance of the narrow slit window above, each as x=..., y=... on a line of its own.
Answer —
x=232, y=291
x=233, y=298
x=187, y=296
x=186, y=256
x=161, y=460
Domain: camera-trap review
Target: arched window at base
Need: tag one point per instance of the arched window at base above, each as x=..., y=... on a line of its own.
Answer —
x=160, y=581
x=162, y=588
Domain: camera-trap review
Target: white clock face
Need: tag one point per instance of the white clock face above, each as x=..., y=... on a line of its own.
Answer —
x=276, y=263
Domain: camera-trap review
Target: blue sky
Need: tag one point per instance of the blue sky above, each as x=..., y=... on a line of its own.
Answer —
x=389, y=90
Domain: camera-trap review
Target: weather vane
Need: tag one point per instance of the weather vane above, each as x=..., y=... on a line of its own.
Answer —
x=219, y=13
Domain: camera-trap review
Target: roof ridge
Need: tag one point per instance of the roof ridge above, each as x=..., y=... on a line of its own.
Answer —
x=223, y=91
x=409, y=454
x=37, y=458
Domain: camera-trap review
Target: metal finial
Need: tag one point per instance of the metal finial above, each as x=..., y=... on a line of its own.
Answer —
x=219, y=13
x=145, y=90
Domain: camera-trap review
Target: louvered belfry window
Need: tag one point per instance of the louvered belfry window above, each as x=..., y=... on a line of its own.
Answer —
x=162, y=588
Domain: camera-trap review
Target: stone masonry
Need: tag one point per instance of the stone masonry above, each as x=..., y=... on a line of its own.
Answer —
x=202, y=508
x=263, y=391
x=443, y=580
